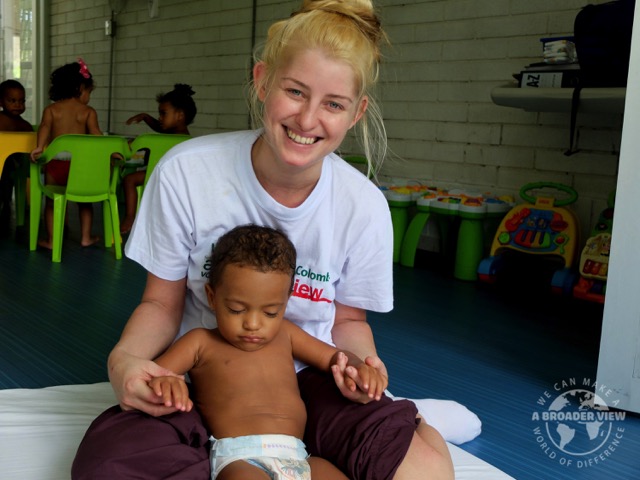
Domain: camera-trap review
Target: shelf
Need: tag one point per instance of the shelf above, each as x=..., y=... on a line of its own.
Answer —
x=592, y=100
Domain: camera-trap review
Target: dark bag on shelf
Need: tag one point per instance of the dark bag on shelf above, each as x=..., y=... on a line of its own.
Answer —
x=602, y=35
x=603, y=43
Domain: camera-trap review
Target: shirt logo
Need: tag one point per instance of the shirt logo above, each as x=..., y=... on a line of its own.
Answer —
x=306, y=291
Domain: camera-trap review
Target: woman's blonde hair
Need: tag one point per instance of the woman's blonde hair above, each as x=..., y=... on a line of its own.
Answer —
x=347, y=30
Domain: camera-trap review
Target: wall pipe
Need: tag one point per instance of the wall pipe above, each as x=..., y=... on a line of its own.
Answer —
x=111, y=63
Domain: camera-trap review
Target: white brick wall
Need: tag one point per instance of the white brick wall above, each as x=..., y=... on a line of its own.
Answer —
x=445, y=57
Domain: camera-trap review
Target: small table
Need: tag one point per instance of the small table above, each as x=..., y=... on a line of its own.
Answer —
x=472, y=210
x=18, y=142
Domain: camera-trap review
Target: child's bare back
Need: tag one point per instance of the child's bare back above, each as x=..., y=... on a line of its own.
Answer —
x=244, y=393
x=70, y=116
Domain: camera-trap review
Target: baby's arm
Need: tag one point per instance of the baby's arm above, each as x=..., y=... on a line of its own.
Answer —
x=179, y=358
x=153, y=123
x=44, y=132
x=367, y=384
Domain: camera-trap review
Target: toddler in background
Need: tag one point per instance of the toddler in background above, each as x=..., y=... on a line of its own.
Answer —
x=176, y=111
x=70, y=90
x=12, y=102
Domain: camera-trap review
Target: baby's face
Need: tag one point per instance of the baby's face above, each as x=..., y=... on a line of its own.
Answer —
x=249, y=305
x=169, y=117
x=13, y=102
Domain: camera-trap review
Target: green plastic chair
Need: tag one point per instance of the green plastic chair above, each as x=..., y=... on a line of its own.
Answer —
x=92, y=178
x=18, y=142
x=157, y=144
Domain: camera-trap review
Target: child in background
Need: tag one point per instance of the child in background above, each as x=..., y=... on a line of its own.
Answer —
x=12, y=102
x=243, y=375
x=176, y=111
x=70, y=90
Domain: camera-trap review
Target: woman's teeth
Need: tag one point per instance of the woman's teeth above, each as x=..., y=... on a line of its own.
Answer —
x=299, y=139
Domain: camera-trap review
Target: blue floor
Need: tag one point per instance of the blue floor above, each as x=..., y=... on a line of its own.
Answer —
x=496, y=350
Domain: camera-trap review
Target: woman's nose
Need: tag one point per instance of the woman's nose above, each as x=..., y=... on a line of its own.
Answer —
x=307, y=116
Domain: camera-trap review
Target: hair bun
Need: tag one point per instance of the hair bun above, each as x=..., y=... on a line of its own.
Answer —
x=360, y=11
x=184, y=88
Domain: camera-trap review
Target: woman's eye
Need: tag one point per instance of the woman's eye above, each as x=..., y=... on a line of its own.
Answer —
x=295, y=92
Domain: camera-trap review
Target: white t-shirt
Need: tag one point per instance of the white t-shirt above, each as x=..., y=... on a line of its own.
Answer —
x=206, y=186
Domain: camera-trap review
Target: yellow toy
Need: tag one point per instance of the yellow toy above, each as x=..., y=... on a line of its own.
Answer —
x=542, y=226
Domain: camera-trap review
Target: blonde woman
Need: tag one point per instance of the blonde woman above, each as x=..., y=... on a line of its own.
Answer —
x=312, y=83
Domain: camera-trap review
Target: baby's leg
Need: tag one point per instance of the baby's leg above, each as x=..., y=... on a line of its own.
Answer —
x=321, y=469
x=241, y=470
x=48, y=216
x=129, y=185
x=85, y=210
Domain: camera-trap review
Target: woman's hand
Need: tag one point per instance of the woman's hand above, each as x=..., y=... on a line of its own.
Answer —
x=130, y=377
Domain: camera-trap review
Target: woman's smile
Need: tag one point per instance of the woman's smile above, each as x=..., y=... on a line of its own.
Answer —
x=299, y=138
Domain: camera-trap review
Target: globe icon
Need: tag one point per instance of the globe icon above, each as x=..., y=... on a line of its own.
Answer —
x=574, y=423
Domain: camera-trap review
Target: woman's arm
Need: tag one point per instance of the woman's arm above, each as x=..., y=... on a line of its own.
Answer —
x=150, y=330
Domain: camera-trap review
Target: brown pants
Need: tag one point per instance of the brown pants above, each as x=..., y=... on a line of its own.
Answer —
x=364, y=441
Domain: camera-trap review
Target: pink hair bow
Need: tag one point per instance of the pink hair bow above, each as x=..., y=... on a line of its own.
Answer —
x=84, y=70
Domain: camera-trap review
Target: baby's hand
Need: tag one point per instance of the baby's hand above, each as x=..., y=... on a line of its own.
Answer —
x=35, y=154
x=173, y=391
x=362, y=383
x=372, y=381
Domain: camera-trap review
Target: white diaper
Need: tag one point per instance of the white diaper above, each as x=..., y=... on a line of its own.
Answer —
x=283, y=457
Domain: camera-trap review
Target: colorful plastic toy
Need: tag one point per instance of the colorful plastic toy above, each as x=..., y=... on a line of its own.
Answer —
x=400, y=199
x=542, y=226
x=594, y=260
x=470, y=210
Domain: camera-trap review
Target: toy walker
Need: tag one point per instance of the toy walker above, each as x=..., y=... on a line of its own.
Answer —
x=594, y=260
x=543, y=227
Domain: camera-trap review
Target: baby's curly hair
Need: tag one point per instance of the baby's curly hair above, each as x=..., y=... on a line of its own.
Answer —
x=67, y=80
x=9, y=84
x=262, y=248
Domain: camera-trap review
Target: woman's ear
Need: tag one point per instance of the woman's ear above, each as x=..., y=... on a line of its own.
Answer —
x=362, y=107
x=259, y=75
